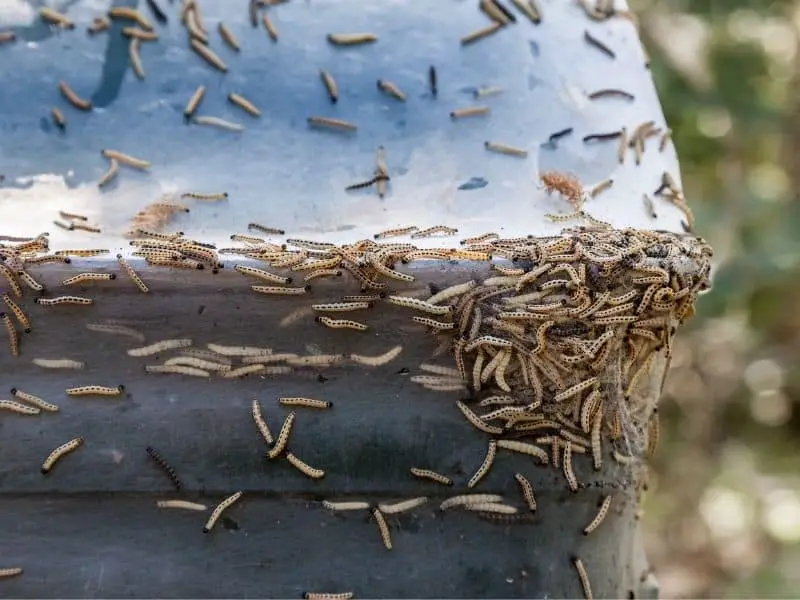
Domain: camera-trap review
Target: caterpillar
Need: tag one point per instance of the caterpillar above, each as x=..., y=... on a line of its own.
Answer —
x=18, y=313
x=165, y=466
x=215, y=515
x=56, y=454
x=35, y=400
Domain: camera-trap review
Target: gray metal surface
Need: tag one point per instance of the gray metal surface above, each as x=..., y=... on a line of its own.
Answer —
x=90, y=528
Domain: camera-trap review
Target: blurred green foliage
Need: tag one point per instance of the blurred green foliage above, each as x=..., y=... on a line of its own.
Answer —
x=723, y=515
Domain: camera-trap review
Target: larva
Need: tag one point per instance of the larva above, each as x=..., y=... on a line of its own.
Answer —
x=529, y=9
x=56, y=454
x=469, y=111
x=261, y=423
x=50, y=258
x=493, y=507
x=495, y=11
x=485, y=466
x=401, y=507
x=479, y=34
x=588, y=407
x=75, y=300
x=244, y=104
x=85, y=277
x=140, y=34
x=601, y=515
x=115, y=329
x=436, y=229
x=217, y=512
x=593, y=41
x=194, y=24
x=18, y=408
x=497, y=400
x=345, y=506
x=576, y=389
x=126, y=159
x=306, y=402
x=84, y=227
x=72, y=97
x=280, y=291
x=95, y=390
x=389, y=272
x=452, y=292
x=487, y=90
x=132, y=274
x=179, y=370
x=53, y=17
x=249, y=239
x=441, y=370
x=383, y=527
x=341, y=323
x=330, y=85
x=135, y=58
x=304, y=467
x=431, y=475
x=14, y=571
x=18, y=313
x=238, y=350
x=470, y=500
x=505, y=149
x=327, y=595
x=266, y=230
x=195, y=100
x=310, y=244
x=332, y=123
x=433, y=323
x=476, y=421
x=351, y=39
x=269, y=358
x=12, y=280
x=197, y=363
x=341, y=306
x=35, y=400
x=228, y=37
x=72, y=216
x=488, y=340
x=420, y=305
x=161, y=346
x=165, y=466
x=391, y=89
x=126, y=12
x=242, y=371
x=601, y=187
x=208, y=55
x=524, y=448
x=527, y=491
x=584, y=577
x=283, y=436
x=261, y=274
x=82, y=253
x=58, y=118
x=568, y=472
x=377, y=361
x=184, y=504
x=64, y=363
x=396, y=232
x=269, y=26
x=323, y=273
x=622, y=149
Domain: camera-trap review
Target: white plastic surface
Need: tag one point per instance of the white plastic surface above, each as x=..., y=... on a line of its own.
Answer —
x=282, y=173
